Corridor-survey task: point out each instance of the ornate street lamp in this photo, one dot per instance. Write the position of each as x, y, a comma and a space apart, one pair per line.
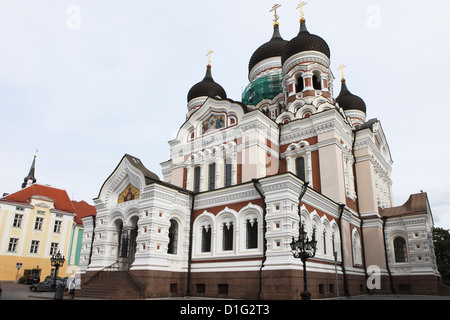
304, 249
57, 261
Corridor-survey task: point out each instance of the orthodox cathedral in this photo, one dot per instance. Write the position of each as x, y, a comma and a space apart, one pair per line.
247, 180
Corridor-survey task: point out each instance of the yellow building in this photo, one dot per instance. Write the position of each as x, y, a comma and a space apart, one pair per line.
35, 223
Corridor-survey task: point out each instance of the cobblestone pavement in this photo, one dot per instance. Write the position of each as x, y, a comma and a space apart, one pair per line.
16, 291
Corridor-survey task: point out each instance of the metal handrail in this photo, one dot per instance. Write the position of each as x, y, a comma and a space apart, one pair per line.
138, 285
97, 275
108, 271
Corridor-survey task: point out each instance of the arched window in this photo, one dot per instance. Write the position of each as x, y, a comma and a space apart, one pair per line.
252, 233
315, 234
334, 244
400, 252
173, 237
206, 238
228, 170
212, 176
300, 168
197, 179
228, 235
299, 84
317, 83
356, 244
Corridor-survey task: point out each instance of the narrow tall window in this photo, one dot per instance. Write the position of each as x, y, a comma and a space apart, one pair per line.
314, 233
124, 244
333, 243
324, 242
300, 168
206, 239
300, 86
173, 237
317, 83
228, 173
197, 179
356, 248
124, 241
212, 176
228, 235
252, 234
400, 252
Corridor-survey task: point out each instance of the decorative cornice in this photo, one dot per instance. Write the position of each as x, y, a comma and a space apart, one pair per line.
303, 57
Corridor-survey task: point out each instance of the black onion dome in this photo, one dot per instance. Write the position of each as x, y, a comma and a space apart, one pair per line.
348, 101
207, 87
305, 41
270, 49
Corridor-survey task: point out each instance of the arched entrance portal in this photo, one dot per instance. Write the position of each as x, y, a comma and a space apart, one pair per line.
126, 242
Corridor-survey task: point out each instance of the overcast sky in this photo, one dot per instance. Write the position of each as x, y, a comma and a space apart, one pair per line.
86, 81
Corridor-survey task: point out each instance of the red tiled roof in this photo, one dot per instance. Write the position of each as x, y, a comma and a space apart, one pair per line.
416, 204
83, 209
59, 196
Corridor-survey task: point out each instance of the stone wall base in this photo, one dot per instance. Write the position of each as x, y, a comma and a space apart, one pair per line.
276, 284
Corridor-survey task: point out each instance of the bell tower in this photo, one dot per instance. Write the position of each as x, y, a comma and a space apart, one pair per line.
306, 66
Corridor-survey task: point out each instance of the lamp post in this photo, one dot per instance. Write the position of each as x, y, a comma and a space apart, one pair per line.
57, 261
303, 249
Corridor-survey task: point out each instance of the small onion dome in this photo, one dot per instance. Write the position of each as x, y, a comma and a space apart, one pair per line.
270, 49
207, 88
304, 41
348, 101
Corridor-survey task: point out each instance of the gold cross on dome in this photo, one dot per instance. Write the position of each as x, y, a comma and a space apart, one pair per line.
274, 8
300, 6
341, 67
209, 56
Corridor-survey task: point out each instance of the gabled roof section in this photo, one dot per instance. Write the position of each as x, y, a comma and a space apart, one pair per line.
61, 199
370, 124
416, 204
148, 177
374, 125
83, 209
137, 163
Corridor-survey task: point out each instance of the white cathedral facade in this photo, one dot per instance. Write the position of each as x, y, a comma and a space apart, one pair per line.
241, 179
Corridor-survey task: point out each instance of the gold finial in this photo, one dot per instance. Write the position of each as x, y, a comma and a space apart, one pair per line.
300, 6
274, 9
341, 67
209, 56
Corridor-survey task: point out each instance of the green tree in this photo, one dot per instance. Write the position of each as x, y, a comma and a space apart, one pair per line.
441, 240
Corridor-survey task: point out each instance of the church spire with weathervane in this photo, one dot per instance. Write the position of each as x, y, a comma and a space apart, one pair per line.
30, 179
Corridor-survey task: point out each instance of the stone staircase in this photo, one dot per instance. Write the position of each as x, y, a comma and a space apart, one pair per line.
112, 285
